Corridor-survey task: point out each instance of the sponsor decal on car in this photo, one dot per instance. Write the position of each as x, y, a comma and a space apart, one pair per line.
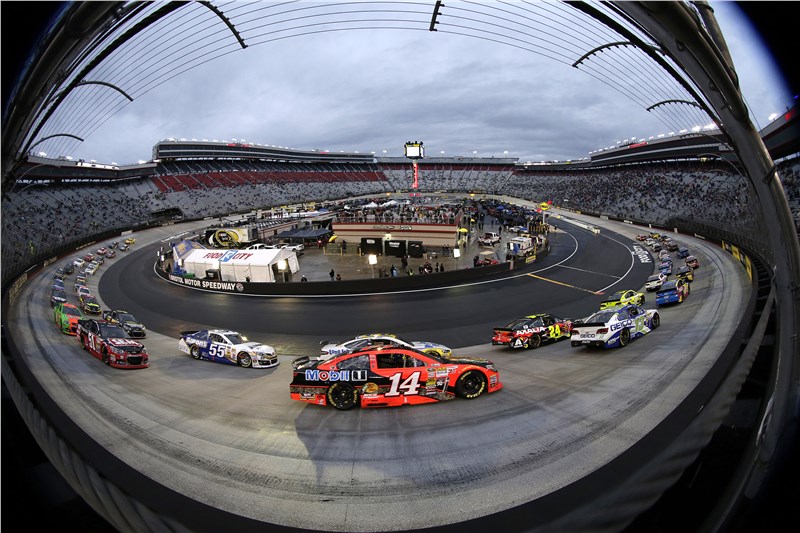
336, 375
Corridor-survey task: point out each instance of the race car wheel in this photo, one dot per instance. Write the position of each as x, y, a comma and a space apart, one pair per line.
471, 384
104, 355
342, 396
624, 337
245, 360
656, 321
195, 352
534, 342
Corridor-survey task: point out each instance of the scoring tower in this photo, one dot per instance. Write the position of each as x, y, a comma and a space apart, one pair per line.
415, 151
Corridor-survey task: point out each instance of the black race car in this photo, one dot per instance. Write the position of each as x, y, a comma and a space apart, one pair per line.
133, 327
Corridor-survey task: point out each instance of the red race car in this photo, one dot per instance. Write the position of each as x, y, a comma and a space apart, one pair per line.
111, 344
532, 330
386, 376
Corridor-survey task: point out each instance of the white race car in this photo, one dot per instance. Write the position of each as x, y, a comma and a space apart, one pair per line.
381, 339
330, 350
655, 281
228, 347
615, 326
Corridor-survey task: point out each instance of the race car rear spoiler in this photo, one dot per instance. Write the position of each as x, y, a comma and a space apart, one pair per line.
590, 324
188, 332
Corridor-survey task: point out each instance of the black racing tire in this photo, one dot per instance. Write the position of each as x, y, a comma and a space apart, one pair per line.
244, 360
471, 384
195, 352
342, 396
534, 342
104, 356
655, 322
642, 300
624, 337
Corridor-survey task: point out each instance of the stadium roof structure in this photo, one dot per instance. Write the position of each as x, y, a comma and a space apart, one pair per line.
174, 150
304, 233
90, 71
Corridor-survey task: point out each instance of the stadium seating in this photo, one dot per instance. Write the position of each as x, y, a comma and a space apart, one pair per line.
43, 219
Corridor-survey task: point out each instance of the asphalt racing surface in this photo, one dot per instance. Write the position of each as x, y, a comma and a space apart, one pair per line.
231, 438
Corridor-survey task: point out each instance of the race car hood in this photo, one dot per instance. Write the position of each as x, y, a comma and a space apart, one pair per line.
328, 347
135, 325
479, 361
256, 347
128, 345
421, 345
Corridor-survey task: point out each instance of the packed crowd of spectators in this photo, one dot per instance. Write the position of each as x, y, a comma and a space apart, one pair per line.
42, 219
709, 193
446, 177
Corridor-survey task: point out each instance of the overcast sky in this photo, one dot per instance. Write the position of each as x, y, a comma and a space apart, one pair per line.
359, 92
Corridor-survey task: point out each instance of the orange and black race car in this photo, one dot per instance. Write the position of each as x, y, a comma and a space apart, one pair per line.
532, 330
389, 376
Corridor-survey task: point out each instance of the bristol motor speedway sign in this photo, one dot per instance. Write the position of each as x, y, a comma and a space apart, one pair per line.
227, 286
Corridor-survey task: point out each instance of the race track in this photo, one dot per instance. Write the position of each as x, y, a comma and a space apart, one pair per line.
230, 438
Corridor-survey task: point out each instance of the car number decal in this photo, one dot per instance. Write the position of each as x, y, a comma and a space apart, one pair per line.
409, 386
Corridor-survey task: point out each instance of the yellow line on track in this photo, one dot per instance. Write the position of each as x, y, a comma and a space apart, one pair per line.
565, 284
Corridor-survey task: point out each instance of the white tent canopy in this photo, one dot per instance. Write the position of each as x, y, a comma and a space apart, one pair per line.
240, 265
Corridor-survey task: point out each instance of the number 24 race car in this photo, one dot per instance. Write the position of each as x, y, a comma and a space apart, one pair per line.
391, 376
532, 330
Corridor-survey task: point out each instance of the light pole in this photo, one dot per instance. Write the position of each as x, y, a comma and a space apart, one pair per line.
282, 268
373, 260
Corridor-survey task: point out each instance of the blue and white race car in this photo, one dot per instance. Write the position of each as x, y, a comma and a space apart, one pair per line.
381, 339
330, 350
229, 347
614, 327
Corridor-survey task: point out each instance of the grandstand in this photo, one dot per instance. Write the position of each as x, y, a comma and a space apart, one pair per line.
57, 211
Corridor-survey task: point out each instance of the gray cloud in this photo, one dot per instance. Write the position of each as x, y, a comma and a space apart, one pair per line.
372, 91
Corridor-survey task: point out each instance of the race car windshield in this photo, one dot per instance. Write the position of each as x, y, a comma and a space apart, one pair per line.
112, 331
357, 344
126, 317
602, 316
654, 278
235, 338
522, 323
72, 312
616, 296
